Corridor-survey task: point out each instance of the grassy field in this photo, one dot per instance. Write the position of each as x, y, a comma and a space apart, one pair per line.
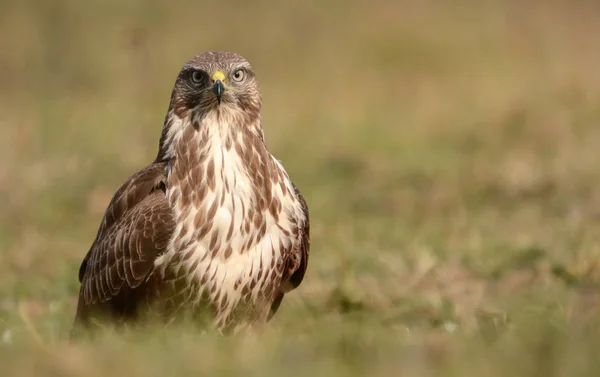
448, 154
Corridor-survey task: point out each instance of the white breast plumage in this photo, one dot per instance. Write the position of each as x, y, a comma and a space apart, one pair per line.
224, 241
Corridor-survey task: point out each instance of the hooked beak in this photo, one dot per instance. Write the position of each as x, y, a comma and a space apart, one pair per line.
218, 87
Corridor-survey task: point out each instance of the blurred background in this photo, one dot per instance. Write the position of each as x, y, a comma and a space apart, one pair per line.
447, 151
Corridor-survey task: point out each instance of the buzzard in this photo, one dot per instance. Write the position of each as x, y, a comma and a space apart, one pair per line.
213, 229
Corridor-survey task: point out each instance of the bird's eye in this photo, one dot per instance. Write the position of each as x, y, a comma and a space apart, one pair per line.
197, 77
239, 75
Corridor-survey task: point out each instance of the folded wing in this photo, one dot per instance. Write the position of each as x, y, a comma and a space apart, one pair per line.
137, 226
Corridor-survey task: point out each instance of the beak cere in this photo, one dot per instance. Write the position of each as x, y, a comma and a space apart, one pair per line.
218, 88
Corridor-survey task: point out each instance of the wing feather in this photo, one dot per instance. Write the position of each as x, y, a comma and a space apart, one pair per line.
297, 261
135, 230
301, 249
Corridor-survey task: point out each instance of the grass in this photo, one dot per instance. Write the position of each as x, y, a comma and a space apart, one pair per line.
448, 153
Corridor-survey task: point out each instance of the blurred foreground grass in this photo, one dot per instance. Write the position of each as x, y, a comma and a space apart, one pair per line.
447, 152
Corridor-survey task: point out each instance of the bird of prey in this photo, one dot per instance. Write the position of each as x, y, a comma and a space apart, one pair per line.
213, 227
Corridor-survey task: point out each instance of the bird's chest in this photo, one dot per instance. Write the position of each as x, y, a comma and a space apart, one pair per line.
229, 243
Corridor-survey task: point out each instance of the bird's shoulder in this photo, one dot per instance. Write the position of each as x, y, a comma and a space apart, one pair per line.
133, 191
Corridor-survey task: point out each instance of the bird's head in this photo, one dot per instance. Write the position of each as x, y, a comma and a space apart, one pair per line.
214, 91
222, 82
